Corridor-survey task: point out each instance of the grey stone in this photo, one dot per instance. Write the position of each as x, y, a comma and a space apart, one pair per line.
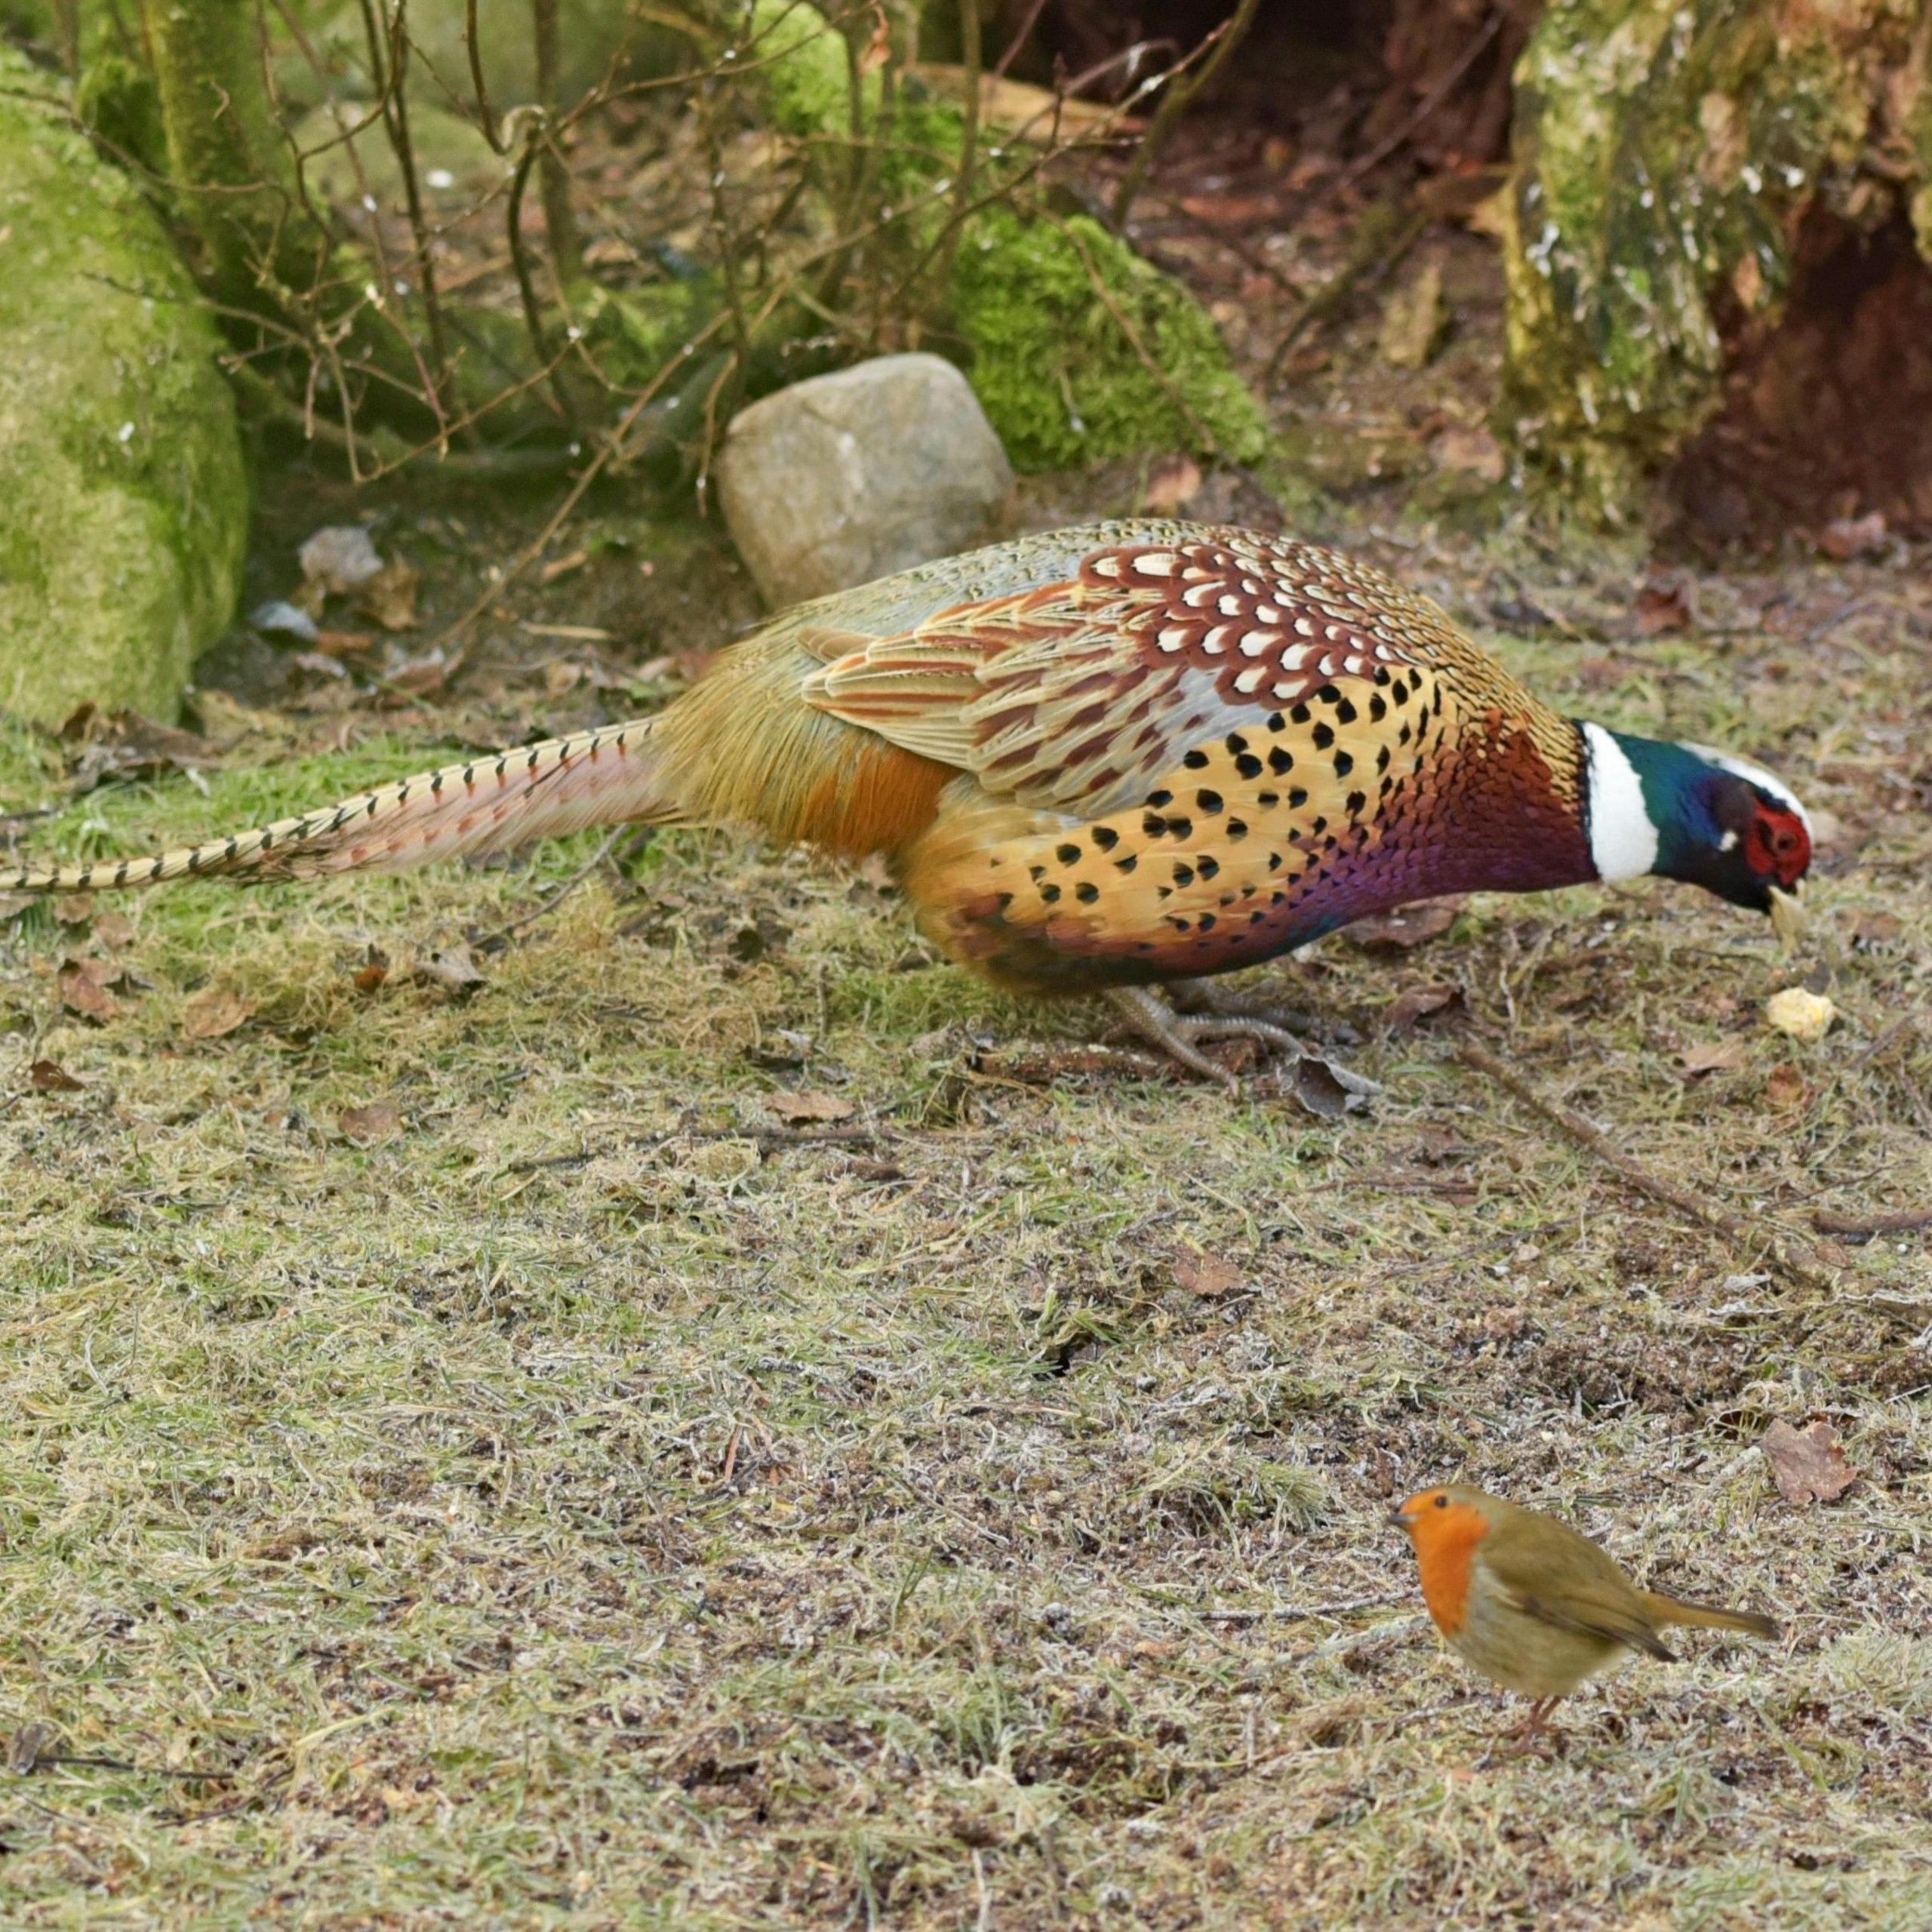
851, 476
124, 501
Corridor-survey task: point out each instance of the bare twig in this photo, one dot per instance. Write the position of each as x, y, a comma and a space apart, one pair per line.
1907, 1220
1374, 252
1801, 1264
1206, 436
1304, 1613
1175, 101
559, 217
970, 56
637, 838
398, 99
1363, 164
532, 133
607, 451
1021, 35
486, 118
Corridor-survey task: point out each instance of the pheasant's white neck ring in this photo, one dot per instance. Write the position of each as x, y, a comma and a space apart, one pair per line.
1623, 838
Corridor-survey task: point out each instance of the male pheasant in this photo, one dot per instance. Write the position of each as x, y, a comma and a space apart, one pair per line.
1119, 757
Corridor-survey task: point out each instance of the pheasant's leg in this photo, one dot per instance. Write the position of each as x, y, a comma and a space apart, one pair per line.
1175, 1034
1211, 996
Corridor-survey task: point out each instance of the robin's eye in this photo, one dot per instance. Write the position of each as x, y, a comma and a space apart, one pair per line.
1442, 1502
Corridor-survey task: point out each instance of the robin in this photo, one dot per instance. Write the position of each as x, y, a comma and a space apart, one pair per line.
1533, 1605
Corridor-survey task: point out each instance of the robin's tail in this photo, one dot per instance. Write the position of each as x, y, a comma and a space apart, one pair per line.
612, 776
1673, 1609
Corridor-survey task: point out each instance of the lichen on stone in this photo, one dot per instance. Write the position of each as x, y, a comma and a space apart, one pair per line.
123, 496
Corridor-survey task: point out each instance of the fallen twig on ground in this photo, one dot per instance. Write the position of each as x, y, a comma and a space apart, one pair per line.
1801, 1265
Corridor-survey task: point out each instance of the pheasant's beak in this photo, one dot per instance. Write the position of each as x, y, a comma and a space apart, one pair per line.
1788, 919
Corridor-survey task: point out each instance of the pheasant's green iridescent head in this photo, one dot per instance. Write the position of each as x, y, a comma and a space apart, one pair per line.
1686, 812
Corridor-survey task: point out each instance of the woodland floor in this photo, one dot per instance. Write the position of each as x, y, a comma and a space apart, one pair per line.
467, 1458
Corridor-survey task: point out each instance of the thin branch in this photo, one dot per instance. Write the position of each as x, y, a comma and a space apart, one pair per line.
560, 218
1179, 95
1020, 39
972, 55
419, 230
1206, 436
1424, 107
1801, 1262
486, 115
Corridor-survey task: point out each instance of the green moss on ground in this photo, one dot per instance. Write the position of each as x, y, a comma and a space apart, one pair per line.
123, 497
1662, 152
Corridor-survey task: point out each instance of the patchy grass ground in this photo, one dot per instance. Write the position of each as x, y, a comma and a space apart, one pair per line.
465, 1459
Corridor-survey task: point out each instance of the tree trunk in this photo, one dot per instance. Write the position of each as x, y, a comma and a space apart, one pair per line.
1668, 155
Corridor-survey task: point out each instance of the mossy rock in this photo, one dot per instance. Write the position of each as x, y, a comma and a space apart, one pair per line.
124, 501
1064, 321
1664, 150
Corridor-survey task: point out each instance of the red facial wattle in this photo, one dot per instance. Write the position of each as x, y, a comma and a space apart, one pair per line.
1777, 846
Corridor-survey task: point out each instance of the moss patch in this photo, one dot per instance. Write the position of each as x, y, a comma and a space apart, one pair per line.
123, 499
1055, 359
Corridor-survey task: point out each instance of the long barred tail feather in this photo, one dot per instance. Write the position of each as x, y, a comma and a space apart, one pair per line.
609, 776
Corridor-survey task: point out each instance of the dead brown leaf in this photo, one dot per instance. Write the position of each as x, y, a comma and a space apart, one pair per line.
1850, 536
1172, 482
378, 1121
1807, 1464
1875, 929
1711, 1056
450, 967
73, 908
1209, 1276
373, 971
1662, 605
1327, 1090
1785, 1089
332, 646
1408, 1010
114, 929
123, 744
1408, 925
389, 598
45, 1077
82, 984
213, 1013
793, 1108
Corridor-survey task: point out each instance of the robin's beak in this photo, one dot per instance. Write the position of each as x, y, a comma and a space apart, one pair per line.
1401, 1519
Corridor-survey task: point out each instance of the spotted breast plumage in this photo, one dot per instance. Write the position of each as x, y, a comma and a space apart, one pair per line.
1121, 757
